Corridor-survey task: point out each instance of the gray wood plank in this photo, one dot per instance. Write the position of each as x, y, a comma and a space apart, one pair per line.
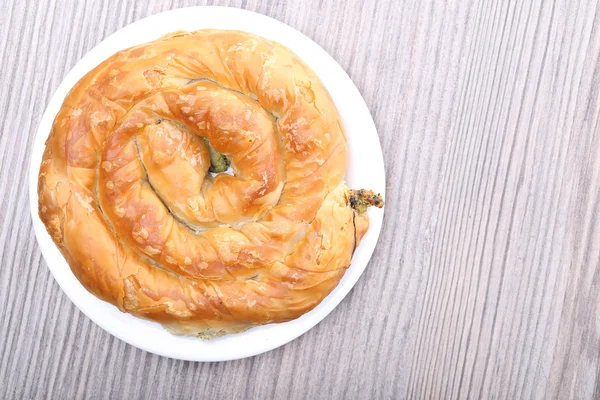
485, 282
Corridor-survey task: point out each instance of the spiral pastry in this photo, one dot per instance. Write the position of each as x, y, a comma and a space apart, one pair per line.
197, 181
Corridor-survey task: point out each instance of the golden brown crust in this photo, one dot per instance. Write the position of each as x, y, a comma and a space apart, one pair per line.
125, 193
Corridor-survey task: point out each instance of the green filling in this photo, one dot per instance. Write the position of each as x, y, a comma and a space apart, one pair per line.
362, 199
218, 161
360, 205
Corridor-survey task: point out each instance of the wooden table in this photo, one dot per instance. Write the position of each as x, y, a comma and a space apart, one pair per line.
486, 280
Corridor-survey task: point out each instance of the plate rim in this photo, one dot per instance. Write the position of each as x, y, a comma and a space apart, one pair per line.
82, 66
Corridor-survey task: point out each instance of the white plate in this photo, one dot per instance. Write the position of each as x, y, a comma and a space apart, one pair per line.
363, 145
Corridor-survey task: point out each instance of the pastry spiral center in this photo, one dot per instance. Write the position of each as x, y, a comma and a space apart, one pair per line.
153, 175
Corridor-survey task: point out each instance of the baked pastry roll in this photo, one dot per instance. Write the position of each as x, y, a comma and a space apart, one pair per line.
197, 181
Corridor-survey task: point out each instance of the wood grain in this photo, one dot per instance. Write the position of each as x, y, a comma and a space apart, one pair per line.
486, 280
